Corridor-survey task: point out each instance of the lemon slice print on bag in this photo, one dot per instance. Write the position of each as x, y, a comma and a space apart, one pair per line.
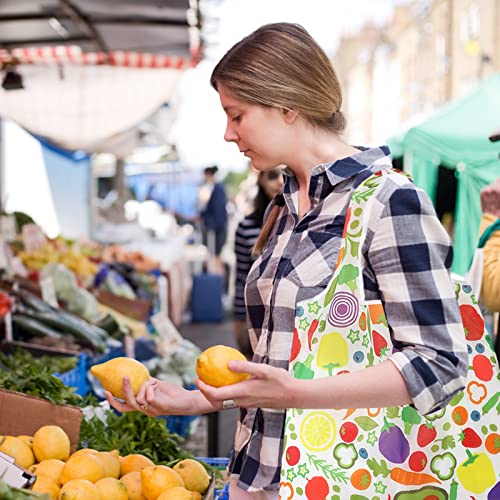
318, 431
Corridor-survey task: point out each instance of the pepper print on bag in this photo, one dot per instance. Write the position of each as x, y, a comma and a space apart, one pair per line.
385, 453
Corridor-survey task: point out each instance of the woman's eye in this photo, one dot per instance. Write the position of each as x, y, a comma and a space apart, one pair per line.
236, 118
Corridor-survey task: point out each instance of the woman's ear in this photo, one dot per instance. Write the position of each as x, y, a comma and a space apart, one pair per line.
290, 115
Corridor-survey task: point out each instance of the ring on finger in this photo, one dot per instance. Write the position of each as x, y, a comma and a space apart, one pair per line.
145, 406
228, 404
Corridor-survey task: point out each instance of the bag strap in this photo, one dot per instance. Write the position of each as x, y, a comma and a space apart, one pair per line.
492, 228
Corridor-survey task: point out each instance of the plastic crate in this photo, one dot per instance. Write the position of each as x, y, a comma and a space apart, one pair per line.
112, 353
179, 424
77, 377
220, 463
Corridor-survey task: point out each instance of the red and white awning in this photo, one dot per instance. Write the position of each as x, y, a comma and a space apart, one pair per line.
73, 54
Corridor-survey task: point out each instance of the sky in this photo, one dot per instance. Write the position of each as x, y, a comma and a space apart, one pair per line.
199, 127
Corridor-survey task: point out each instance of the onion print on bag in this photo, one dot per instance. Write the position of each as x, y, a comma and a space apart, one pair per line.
393, 452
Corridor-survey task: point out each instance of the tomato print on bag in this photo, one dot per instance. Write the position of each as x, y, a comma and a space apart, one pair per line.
395, 452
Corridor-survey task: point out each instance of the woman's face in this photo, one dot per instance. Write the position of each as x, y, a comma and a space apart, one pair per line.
261, 133
271, 182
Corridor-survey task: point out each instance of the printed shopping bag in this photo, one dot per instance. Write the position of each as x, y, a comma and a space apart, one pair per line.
385, 453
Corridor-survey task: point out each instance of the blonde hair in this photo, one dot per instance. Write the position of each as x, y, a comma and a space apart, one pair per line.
280, 65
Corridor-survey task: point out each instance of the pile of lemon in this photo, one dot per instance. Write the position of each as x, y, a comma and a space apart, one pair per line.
96, 475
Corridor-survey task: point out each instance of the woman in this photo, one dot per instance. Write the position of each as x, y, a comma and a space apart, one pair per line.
282, 100
269, 184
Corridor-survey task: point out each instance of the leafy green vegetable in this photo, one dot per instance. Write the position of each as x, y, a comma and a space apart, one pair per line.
130, 433
55, 364
38, 381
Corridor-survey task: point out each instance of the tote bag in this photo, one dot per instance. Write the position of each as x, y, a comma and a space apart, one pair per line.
395, 452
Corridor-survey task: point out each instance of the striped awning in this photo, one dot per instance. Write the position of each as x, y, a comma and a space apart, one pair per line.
73, 54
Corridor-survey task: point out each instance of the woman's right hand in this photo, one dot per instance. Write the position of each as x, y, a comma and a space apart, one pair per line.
156, 397
490, 199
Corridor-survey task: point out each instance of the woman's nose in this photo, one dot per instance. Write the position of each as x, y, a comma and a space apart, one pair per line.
230, 135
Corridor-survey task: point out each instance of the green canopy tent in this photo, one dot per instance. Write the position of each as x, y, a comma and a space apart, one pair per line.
456, 137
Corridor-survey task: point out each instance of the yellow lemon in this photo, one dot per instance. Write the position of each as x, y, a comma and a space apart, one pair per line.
177, 493
155, 480
317, 431
111, 374
50, 468
111, 463
211, 366
27, 439
44, 484
79, 489
83, 466
134, 463
193, 474
50, 441
133, 483
112, 488
84, 450
18, 450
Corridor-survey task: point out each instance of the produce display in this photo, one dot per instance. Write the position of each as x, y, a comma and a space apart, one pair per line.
25, 373
128, 456
91, 474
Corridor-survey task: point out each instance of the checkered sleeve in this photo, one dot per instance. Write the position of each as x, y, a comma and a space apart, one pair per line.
409, 254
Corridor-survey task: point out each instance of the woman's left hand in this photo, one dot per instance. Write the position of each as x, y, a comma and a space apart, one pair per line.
269, 387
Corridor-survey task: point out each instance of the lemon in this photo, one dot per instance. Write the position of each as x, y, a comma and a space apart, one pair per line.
155, 480
84, 466
134, 463
110, 487
211, 366
18, 450
111, 374
50, 441
111, 463
84, 450
44, 484
79, 489
50, 468
27, 439
317, 431
193, 474
177, 493
133, 483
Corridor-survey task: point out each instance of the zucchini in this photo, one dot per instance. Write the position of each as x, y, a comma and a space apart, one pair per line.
33, 327
55, 320
32, 301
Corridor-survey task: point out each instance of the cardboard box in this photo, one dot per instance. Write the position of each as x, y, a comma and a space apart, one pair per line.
138, 309
23, 414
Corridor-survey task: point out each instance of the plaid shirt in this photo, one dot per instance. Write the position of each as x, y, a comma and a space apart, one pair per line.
406, 255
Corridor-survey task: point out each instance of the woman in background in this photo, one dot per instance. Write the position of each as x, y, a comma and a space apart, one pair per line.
269, 185
213, 215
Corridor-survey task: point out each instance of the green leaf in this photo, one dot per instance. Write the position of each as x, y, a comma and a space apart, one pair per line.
331, 291
366, 423
379, 469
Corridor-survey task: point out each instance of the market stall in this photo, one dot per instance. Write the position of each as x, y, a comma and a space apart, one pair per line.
456, 137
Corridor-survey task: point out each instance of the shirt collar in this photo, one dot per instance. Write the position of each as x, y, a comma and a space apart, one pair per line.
345, 168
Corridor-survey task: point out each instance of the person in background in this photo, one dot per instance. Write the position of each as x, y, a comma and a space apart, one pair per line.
490, 287
213, 214
269, 184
